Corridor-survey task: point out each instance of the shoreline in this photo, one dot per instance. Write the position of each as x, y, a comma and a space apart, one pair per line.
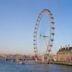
63, 63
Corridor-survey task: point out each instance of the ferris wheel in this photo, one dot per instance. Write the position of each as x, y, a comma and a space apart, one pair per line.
50, 37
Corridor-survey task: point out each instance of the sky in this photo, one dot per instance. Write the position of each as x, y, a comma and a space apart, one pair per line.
18, 18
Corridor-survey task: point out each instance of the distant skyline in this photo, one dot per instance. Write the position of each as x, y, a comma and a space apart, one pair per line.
18, 18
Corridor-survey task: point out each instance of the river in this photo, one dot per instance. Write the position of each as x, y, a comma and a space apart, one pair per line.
13, 67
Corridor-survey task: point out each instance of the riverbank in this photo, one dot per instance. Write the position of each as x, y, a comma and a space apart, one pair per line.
63, 63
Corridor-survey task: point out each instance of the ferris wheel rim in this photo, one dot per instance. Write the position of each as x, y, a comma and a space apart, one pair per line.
37, 27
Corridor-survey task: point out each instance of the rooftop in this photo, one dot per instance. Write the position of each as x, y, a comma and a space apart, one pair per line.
67, 49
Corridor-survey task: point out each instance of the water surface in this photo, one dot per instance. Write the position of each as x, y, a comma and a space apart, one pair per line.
13, 67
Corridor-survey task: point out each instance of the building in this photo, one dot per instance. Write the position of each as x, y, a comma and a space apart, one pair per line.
64, 55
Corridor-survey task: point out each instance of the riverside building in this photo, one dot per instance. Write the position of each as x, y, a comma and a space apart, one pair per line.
64, 54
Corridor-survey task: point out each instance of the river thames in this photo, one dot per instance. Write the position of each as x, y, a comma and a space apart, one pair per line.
13, 67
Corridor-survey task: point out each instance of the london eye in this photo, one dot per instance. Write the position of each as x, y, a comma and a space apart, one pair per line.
49, 38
